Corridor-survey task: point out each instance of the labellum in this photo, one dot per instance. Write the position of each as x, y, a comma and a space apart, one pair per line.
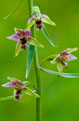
17, 94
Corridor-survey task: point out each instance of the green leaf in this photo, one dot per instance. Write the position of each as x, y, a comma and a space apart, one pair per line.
48, 21
18, 49
49, 58
32, 22
33, 41
30, 55
31, 92
44, 31
6, 98
66, 75
12, 12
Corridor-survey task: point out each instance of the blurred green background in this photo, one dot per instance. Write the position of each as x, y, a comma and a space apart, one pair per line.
60, 96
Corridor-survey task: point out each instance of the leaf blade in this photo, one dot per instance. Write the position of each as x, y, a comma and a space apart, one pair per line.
6, 98
66, 75
30, 55
44, 31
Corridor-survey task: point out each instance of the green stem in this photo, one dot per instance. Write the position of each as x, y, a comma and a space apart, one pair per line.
38, 85
36, 68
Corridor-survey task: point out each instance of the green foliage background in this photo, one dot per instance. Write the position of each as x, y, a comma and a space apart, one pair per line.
60, 96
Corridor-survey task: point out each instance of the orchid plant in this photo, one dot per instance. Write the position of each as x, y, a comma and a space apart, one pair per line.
25, 41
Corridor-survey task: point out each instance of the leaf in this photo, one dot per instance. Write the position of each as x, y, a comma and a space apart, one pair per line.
6, 98
49, 58
44, 31
31, 92
30, 55
18, 49
66, 75
13, 11
48, 21
29, 25
33, 41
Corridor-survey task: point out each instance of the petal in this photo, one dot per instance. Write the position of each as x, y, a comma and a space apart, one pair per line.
53, 61
33, 41
30, 24
47, 20
71, 57
9, 84
21, 84
60, 68
22, 32
44, 16
31, 18
28, 33
17, 49
15, 37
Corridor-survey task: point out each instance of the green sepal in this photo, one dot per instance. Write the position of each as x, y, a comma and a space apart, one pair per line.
33, 41
48, 21
69, 50
36, 10
11, 78
28, 91
30, 24
18, 49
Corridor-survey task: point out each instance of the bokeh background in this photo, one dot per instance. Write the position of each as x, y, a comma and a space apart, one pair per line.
60, 96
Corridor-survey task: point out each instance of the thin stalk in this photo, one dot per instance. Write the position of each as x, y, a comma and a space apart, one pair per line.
38, 81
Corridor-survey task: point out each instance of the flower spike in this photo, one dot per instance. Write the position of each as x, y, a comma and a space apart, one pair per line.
23, 38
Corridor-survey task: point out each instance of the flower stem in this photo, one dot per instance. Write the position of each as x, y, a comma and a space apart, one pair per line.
36, 68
